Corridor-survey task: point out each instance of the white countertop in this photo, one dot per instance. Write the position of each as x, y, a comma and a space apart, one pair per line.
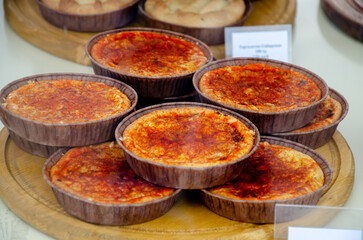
316, 45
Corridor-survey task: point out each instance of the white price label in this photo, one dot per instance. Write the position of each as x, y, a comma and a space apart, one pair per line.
272, 42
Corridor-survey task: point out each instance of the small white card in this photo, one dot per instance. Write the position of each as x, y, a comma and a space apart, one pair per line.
303, 233
271, 41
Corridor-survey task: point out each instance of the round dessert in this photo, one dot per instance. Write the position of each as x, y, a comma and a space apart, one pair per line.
66, 101
152, 54
259, 87
86, 6
274, 172
196, 13
188, 137
328, 113
321, 129
112, 179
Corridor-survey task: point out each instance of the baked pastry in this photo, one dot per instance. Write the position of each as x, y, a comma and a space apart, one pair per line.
196, 13
66, 101
188, 137
273, 172
86, 6
259, 87
328, 112
148, 54
101, 174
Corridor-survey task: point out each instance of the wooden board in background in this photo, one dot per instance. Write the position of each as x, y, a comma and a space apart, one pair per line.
347, 15
26, 193
25, 18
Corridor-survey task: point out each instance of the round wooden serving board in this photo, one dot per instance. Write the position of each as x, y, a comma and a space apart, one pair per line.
25, 18
25, 192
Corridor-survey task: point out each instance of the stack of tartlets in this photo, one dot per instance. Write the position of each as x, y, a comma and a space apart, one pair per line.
157, 63
277, 97
138, 189
112, 165
158, 151
192, 146
48, 111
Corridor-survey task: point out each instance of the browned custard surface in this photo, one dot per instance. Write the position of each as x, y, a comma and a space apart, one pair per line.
148, 54
188, 136
274, 172
328, 113
260, 87
67, 101
100, 173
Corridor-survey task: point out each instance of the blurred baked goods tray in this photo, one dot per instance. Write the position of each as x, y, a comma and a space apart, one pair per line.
26, 20
347, 15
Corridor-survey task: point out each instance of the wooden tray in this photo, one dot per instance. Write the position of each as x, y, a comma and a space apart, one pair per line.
347, 15
25, 18
25, 192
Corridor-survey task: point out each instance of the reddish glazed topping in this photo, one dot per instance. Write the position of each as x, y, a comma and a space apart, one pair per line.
67, 101
260, 87
148, 54
101, 173
188, 136
274, 172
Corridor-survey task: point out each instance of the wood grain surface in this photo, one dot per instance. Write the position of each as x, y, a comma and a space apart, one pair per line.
25, 18
25, 192
347, 15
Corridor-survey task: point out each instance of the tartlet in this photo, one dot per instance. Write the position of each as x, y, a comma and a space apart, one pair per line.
162, 66
196, 13
65, 134
315, 138
254, 199
86, 6
89, 20
175, 145
117, 196
277, 119
211, 35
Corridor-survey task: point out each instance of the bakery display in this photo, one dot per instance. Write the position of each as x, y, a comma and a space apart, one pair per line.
87, 15
85, 110
278, 172
317, 133
162, 65
276, 96
202, 19
196, 13
189, 205
115, 189
86, 6
186, 145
